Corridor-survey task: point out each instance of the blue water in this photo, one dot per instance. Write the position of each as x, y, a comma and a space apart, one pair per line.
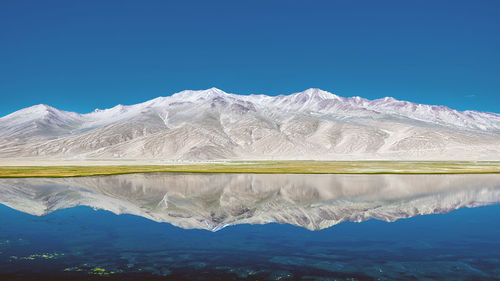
81, 244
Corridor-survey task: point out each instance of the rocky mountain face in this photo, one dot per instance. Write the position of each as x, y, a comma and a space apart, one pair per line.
214, 125
214, 201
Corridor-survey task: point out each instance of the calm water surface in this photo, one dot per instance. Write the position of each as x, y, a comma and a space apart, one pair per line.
247, 226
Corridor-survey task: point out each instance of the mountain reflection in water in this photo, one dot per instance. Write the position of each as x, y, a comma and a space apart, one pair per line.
214, 201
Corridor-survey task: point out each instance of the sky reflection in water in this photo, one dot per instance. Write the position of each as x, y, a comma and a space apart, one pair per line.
80, 243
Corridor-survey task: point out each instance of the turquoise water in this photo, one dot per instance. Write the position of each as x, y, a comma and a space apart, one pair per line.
80, 243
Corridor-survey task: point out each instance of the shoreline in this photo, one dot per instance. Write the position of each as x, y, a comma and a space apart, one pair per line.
77, 169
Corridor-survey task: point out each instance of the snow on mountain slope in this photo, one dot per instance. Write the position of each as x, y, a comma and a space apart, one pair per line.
40, 120
212, 124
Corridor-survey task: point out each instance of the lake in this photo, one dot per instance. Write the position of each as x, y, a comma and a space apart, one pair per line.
158, 226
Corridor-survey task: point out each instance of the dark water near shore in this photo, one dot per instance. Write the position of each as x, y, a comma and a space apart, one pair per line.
446, 228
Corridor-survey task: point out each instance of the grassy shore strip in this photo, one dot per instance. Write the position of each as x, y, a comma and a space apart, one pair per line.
262, 167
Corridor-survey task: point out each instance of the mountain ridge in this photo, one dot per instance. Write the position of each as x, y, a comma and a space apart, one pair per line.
214, 89
213, 124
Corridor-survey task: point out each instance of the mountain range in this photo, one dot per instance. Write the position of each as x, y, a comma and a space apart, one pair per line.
214, 125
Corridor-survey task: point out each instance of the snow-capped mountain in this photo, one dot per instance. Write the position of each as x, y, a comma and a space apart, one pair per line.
212, 124
214, 201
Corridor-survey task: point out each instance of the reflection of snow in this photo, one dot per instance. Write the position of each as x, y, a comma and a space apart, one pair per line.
164, 200
215, 201
215, 228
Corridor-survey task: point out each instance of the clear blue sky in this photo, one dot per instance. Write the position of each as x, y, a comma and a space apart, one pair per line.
82, 55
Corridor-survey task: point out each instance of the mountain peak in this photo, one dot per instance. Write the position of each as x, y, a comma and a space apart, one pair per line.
212, 91
191, 95
41, 107
38, 110
320, 93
